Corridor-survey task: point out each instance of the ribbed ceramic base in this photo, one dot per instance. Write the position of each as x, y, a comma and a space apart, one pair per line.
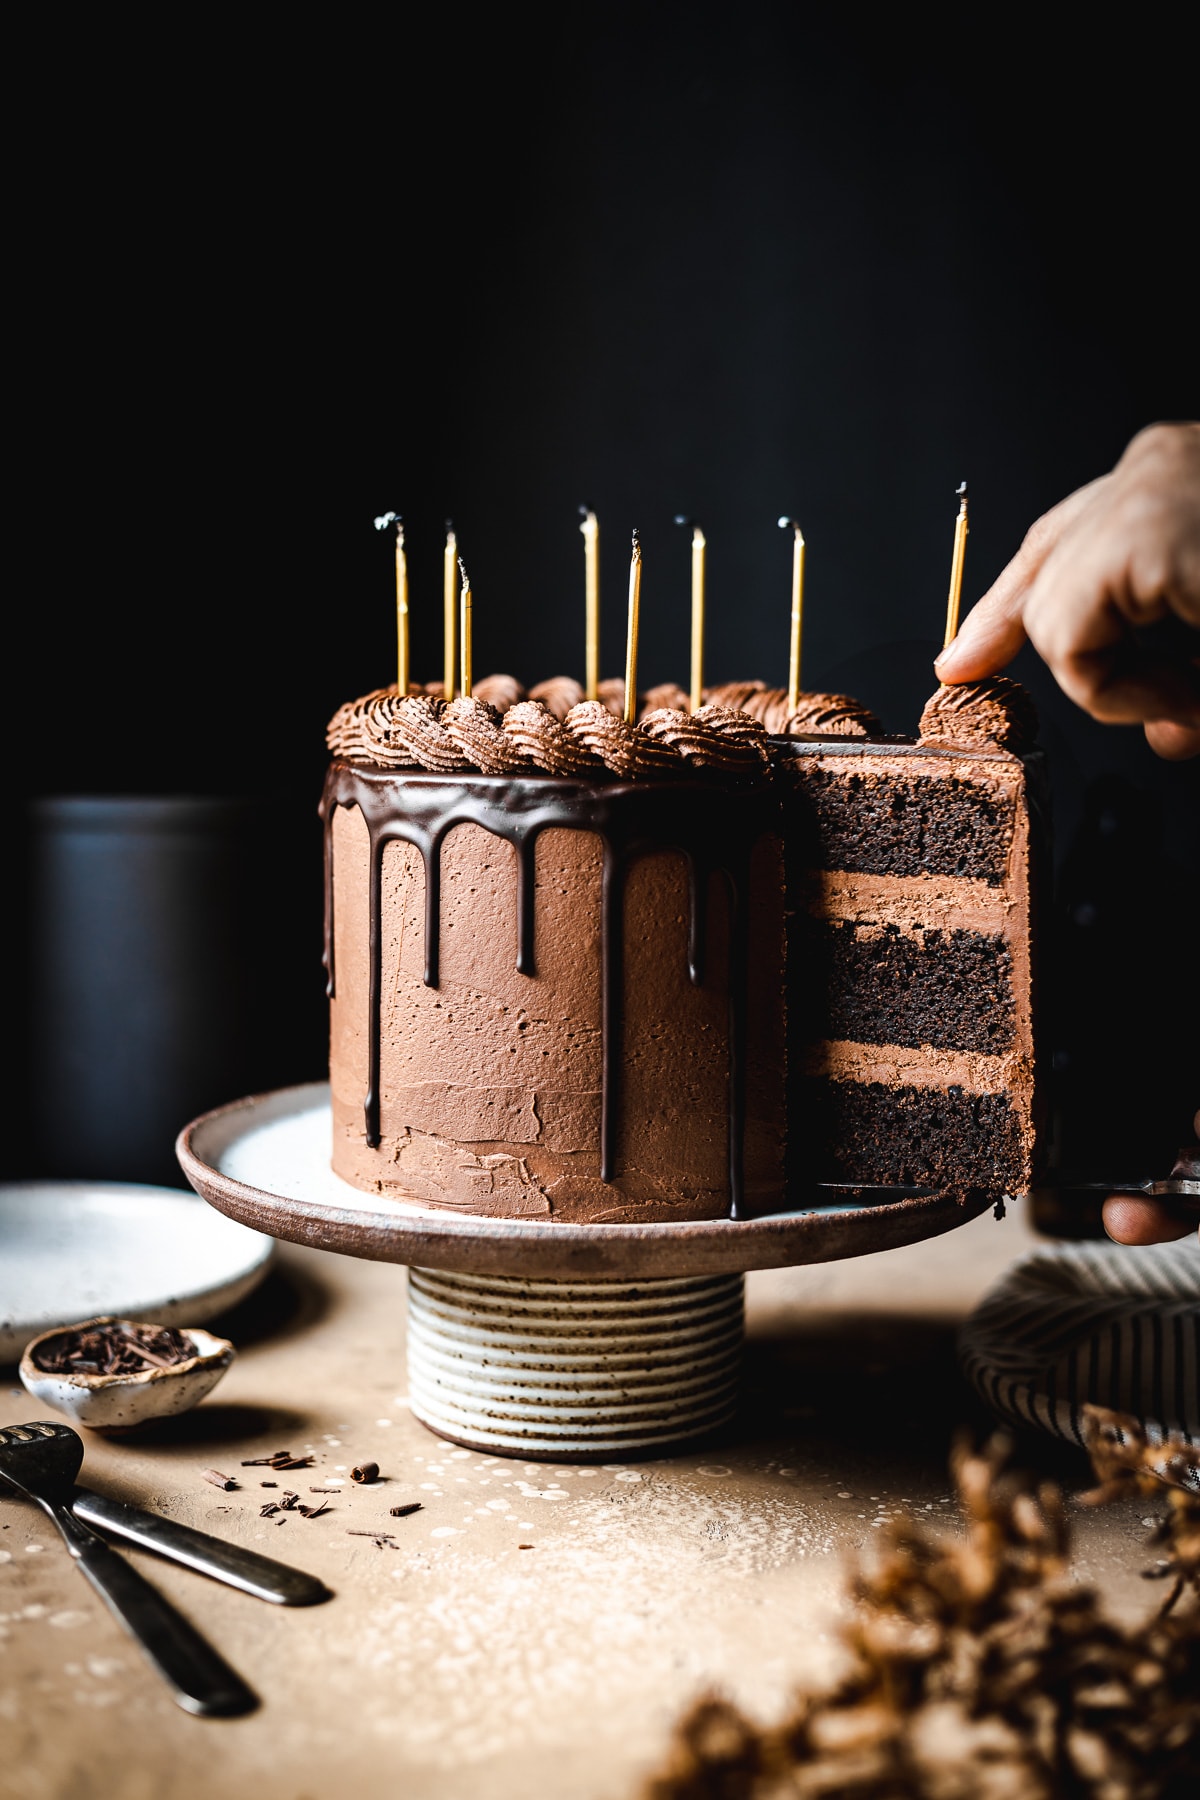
571, 1369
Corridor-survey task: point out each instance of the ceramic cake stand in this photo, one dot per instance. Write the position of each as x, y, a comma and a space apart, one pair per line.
566, 1342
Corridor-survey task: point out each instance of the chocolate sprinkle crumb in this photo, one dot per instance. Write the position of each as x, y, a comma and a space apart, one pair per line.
278, 1459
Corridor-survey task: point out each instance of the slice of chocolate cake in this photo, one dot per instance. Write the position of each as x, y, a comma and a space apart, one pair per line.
910, 871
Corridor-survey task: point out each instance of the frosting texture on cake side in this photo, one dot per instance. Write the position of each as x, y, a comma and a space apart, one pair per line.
555, 997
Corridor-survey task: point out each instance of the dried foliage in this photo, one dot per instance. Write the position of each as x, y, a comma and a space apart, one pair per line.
978, 1669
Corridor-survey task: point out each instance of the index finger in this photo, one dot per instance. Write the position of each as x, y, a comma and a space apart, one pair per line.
994, 629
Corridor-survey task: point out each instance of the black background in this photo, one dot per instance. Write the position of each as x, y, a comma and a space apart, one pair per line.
730, 262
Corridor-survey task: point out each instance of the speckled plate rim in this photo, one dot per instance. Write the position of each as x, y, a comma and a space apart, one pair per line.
385, 1230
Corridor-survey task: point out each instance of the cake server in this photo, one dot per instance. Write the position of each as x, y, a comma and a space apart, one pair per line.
1183, 1183
39, 1461
259, 1575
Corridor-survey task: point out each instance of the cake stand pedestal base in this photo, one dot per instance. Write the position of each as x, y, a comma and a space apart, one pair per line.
529, 1338
570, 1369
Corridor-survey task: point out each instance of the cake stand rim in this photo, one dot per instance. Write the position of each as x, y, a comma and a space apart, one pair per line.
562, 1252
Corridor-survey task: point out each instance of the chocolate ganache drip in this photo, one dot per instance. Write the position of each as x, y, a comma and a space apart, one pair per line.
996, 710
715, 825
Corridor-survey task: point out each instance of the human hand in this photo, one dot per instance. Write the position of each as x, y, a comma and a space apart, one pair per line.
1132, 1219
1117, 556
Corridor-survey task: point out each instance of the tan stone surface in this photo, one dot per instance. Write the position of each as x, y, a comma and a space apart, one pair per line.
459, 1664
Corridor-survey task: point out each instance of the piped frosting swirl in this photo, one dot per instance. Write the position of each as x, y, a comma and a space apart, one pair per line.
714, 737
561, 734
625, 749
475, 729
996, 710
543, 740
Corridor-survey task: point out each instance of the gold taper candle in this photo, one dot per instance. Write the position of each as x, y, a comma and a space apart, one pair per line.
697, 671
449, 597
956, 566
464, 628
381, 524
591, 588
631, 638
793, 699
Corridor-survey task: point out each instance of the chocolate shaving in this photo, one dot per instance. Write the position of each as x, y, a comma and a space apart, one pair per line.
380, 1539
117, 1347
218, 1480
403, 1512
368, 1471
279, 1459
314, 1512
979, 1666
269, 1510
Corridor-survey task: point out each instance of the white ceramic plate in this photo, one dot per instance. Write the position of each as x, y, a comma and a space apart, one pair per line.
72, 1250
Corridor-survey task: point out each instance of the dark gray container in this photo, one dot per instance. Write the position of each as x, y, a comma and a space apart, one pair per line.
140, 977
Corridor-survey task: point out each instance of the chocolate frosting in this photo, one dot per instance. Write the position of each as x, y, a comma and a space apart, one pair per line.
626, 750
667, 696
611, 693
500, 732
706, 740
560, 693
995, 711
417, 735
500, 691
474, 728
542, 739
733, 693
831, 715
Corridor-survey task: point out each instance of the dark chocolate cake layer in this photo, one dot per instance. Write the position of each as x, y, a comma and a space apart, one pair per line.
880, 984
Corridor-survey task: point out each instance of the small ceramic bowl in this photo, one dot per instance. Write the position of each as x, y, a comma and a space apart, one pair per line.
119, 1402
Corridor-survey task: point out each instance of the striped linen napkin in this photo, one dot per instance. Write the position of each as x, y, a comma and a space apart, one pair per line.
1106, 1323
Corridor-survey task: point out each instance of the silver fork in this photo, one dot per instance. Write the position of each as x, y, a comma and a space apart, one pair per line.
40, 1462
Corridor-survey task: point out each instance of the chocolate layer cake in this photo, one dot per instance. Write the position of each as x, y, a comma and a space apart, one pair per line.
555, 952
909, 870
593, 971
